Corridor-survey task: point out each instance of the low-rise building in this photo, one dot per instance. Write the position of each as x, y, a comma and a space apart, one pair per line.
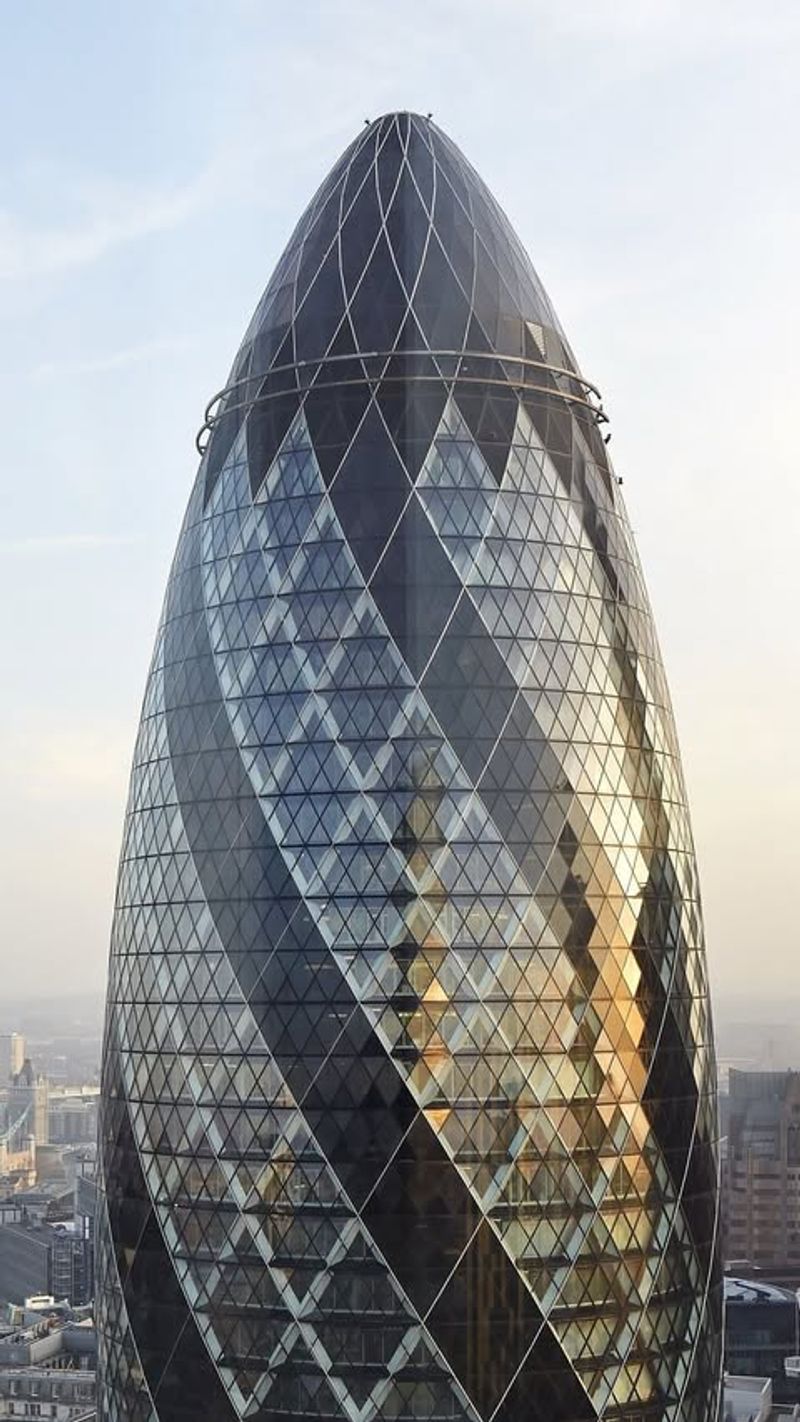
62, 1396
37, 1257
762, 1329
747, 1399
47, 1366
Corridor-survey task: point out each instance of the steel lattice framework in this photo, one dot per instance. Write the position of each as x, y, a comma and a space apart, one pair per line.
409, 1099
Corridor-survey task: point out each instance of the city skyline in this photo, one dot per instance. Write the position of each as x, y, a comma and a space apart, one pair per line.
128, 252
399, 986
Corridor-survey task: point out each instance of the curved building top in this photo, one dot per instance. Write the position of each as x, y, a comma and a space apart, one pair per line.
403, 265
384, 236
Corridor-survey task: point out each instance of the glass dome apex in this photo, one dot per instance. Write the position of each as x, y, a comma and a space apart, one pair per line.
402, 251
403, 172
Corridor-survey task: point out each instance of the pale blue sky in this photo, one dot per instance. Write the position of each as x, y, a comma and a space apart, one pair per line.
156, 157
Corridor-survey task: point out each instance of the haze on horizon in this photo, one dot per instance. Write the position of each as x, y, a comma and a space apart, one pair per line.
645, 151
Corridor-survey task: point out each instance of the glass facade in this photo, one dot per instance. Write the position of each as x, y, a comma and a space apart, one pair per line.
409, 1092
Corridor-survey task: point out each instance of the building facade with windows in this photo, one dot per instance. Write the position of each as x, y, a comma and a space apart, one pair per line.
762, 1172
39, 1257
72, 1115
47, 1368
57, 1394
409, 1092
762, 1330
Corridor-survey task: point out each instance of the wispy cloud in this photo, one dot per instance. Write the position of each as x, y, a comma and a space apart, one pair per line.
110, 215
63, 542
113, 360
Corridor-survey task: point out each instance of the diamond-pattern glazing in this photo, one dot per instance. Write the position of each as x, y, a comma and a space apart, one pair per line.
409, 1085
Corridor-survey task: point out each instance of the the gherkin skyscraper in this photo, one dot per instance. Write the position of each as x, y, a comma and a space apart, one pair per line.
408, 1103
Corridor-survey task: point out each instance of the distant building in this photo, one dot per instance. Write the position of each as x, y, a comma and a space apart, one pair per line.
73, 1114
47, 1368
85, 1216
762, 1330
762, 1173
30, 1204
62, 1395
17, 1161
17, 1146
37, 1257
12, 1055
24, 1125
28, 1103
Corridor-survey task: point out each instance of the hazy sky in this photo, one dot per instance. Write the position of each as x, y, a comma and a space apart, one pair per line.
156, 156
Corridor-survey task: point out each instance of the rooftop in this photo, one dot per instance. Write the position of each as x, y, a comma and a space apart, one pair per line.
754, 1291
